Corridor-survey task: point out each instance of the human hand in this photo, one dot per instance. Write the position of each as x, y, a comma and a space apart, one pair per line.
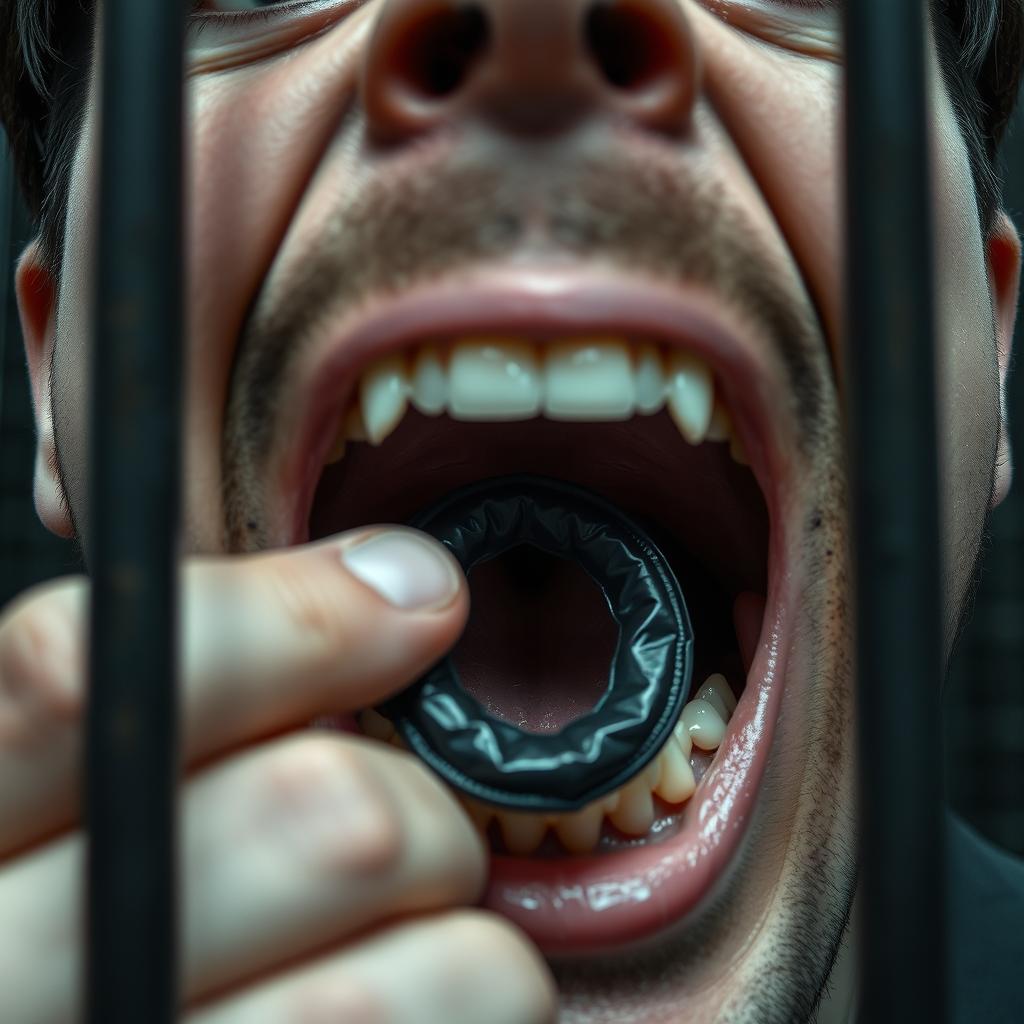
325, 876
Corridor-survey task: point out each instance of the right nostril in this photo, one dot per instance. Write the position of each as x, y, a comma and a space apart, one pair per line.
439, 50
629, 45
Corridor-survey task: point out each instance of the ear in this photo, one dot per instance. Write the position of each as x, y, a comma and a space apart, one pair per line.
37, 304
1004, 259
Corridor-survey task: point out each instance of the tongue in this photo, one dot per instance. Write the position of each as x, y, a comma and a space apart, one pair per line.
539, 642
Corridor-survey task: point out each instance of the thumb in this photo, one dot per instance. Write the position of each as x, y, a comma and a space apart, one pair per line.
274, 639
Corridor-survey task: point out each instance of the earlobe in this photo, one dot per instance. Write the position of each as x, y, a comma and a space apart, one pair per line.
1004, 271
37, 305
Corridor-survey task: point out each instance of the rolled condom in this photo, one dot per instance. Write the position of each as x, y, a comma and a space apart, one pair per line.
651, 670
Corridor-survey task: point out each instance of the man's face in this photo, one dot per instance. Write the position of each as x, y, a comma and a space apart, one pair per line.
348, 204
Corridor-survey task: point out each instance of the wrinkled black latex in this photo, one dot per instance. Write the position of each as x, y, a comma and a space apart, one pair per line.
650, 676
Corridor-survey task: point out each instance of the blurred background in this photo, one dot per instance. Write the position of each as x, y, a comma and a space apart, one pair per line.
984, 701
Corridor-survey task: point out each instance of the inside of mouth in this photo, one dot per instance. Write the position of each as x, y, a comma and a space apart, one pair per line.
539, 643
540, 639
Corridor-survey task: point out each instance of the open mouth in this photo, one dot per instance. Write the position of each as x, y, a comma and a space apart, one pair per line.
659, 412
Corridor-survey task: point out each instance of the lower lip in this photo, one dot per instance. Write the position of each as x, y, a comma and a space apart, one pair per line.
579, 905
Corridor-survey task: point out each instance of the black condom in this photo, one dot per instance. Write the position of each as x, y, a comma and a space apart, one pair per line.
648, 684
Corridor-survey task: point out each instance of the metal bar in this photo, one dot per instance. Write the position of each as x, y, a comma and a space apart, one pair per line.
890, 373
133, 521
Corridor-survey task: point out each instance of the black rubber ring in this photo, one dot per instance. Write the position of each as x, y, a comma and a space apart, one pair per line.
651, 671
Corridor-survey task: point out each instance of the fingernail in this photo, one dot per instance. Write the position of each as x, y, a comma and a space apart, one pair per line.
405, 568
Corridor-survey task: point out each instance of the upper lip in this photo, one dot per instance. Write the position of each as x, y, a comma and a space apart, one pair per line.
541, 303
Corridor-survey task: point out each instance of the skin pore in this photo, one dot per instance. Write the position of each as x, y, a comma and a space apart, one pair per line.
296, 222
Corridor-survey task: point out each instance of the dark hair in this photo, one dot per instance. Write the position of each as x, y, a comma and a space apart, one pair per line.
45, 59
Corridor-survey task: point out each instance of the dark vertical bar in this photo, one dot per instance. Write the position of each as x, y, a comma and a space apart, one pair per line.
890, 368
133, 521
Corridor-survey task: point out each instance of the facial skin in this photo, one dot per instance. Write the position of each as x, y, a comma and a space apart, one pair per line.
283, 180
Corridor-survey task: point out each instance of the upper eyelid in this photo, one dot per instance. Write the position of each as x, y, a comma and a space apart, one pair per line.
775, 6
809, 31
197, 17
199, 22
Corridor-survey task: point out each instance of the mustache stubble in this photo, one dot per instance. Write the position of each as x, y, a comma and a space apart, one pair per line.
406, 224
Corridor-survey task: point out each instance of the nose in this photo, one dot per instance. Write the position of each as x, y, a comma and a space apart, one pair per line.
533, 67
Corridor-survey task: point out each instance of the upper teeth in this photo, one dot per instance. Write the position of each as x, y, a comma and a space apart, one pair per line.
490, 378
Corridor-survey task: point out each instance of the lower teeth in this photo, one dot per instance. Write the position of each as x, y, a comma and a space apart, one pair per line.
631, 809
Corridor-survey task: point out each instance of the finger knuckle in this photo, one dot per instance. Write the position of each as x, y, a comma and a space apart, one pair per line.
39, 685
312, 605
462, 854
324, 801
336, 996
299, 768
481, 945
482, 936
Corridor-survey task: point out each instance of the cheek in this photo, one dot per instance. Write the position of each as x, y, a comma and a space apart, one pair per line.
968, 393
797, 148
258, 135
72, 369
964, 308
782, 111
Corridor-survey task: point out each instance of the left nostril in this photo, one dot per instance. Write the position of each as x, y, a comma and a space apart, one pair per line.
630, 48
441, 49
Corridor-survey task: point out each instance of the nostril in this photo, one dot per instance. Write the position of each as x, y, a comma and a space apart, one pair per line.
440, 48
629, 45
533, 67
